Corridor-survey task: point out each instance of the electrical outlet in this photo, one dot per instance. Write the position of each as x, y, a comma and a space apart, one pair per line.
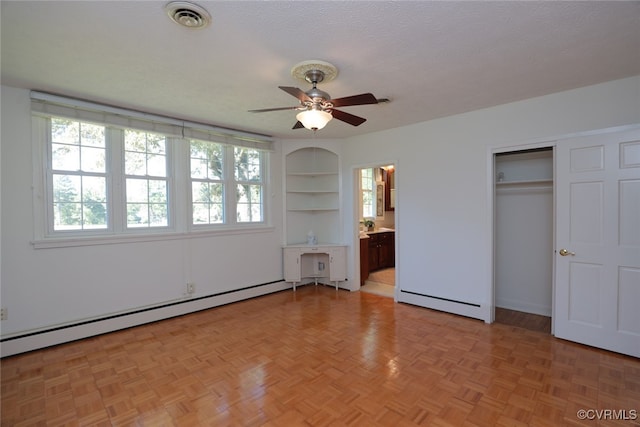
4, 313
191, 288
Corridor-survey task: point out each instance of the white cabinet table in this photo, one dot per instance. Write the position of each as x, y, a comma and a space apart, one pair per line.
308, 263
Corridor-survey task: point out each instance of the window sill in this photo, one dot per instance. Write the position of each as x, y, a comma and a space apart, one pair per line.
67, 242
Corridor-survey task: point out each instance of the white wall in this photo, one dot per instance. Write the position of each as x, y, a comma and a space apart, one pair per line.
44, 288
444, 180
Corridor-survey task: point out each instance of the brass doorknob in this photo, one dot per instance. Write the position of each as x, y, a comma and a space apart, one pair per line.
565, 252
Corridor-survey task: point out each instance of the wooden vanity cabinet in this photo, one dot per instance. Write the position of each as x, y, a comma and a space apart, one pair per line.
381, 250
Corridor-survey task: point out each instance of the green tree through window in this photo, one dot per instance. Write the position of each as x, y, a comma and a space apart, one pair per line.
110, 180
146, 179
249, 184
79, 176
207, 184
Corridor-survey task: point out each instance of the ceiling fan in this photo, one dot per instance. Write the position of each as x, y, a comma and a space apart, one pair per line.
316, 106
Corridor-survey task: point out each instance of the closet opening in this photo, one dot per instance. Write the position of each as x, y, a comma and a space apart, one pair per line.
523, 238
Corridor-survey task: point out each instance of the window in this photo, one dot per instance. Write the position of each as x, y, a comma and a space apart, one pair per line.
81, 173
107, 180
109, 174
248, 179
211, 181
145, 163
367, 187
78, 176
207, 185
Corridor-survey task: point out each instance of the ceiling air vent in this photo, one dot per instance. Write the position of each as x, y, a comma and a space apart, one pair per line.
188, 14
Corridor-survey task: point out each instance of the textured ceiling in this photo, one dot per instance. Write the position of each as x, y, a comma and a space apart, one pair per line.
432, 59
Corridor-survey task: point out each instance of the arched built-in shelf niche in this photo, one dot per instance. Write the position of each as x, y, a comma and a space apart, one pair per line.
312, 195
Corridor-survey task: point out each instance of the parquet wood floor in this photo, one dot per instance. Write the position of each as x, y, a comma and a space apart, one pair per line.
534, 322
319, 357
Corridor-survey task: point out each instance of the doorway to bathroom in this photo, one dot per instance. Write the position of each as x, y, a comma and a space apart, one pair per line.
377, 229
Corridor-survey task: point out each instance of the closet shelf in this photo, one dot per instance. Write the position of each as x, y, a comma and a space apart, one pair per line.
526, 182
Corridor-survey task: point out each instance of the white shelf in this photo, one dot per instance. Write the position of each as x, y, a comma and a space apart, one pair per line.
524, 187
312, 194
306, 183
526, 182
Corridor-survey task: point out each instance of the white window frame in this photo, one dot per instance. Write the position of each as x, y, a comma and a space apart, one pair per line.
116, 188
371, 190
221, 181
50, 172
230, 183
168, 178
235, 182
179, 213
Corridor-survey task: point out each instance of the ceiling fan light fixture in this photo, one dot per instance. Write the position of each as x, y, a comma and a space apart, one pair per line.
316, 106
314, 119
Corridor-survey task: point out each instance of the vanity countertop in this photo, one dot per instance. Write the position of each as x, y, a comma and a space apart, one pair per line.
365, 234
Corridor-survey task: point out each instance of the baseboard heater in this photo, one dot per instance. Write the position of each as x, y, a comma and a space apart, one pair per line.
110, 323
441, 298
448, 305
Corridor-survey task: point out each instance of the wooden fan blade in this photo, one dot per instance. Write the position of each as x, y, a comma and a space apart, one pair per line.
298, 125
298, 93
348, 118
362, 99
264, 110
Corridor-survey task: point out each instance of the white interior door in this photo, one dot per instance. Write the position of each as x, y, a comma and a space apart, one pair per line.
597, 283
